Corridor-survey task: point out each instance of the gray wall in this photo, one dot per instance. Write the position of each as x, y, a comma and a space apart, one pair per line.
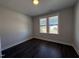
0, 48
76, 40
15, 28
65, 35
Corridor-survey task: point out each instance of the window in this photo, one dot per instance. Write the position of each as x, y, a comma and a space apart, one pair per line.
43, 25
49, 25
53, 25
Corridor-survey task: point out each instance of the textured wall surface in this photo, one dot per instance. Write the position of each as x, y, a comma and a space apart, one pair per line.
76, 40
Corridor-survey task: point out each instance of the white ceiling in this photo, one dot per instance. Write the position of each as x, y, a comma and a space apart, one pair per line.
26, 6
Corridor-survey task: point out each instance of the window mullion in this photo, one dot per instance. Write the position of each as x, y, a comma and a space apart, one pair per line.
47, 25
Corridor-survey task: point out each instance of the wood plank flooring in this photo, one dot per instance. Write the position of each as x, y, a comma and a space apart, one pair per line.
36, 48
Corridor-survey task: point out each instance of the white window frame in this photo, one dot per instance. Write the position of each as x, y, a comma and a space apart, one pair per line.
47, 27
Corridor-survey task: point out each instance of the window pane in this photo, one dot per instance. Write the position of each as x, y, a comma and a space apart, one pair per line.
53, 25
53, 20
43, 29
43, 21
53, 29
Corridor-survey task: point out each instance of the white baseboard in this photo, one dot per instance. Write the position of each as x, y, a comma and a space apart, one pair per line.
76, 49
54, 41
16, 43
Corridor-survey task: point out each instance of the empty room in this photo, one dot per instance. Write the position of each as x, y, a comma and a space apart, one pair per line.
39, 28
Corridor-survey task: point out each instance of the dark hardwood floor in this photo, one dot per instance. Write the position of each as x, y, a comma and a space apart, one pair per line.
36, 48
